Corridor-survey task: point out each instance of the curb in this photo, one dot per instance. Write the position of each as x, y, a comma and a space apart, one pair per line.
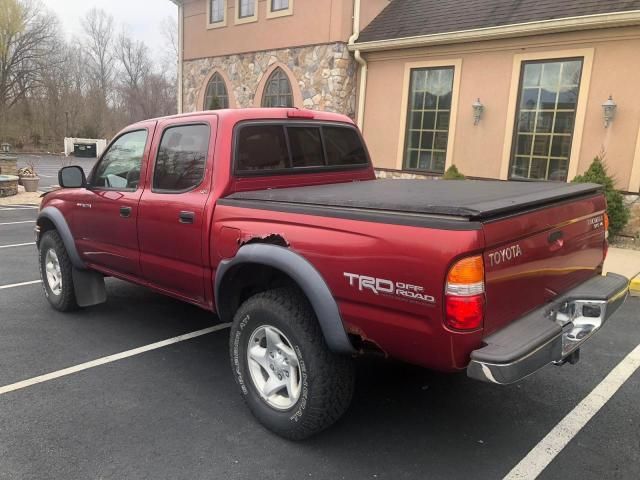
634, 286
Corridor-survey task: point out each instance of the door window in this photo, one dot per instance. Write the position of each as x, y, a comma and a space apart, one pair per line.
119, 168
181, 159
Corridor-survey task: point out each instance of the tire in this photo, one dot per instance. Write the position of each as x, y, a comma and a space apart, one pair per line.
52, 253
325, 379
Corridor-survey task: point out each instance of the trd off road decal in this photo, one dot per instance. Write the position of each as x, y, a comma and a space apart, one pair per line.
382, 286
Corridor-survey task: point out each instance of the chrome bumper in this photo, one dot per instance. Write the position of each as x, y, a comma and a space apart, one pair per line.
552, 334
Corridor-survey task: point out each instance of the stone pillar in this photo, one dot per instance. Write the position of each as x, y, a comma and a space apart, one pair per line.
8, 185
8, 165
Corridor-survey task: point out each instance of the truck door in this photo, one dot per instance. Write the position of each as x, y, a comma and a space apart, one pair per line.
171, 225
105, 214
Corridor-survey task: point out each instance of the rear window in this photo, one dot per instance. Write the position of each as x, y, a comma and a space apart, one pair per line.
272, 147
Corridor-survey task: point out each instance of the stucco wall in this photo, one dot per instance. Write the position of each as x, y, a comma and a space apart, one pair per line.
322, 77
312, 22
487, 71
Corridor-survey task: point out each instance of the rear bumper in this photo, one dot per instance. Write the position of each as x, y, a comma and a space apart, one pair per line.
550, 334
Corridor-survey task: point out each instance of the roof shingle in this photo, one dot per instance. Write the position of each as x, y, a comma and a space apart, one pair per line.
409, 18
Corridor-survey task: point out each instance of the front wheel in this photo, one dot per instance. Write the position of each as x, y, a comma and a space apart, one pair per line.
291, 381
56, 272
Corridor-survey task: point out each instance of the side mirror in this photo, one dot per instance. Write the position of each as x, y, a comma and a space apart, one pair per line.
72, 177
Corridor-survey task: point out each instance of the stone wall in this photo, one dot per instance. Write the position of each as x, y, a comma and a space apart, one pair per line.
325, 73
633, 226
8, 165
395, 174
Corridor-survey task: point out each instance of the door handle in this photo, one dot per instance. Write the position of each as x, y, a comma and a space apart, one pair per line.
186, 217
125, 212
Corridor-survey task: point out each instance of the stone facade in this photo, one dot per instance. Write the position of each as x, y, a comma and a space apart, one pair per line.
8, 165
8, 185
325, 76
633, 226
401, 174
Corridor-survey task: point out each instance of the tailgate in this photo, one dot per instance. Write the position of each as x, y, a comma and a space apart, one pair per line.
533, 257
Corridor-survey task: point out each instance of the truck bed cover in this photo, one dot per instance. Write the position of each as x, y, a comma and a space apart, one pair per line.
470, 199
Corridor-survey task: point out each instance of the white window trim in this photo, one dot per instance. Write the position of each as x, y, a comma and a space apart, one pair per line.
220, 24
456, 63
279, 13
253, 18
581, 108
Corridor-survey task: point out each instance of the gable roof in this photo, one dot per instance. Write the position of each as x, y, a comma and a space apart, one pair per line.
418, 18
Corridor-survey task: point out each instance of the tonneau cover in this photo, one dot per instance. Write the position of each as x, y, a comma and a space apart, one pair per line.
472, 199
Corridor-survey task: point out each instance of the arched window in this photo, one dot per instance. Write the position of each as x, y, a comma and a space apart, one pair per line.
216, 96
277, 91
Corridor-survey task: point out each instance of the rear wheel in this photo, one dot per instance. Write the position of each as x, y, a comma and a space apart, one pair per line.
291, 381
56, 272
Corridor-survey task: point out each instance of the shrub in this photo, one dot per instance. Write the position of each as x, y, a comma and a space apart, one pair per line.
616, 209
453, 173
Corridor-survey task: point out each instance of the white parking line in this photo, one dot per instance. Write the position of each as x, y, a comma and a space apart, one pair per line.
8, 208
550, 446
17, 245
16, 223
111, 358
23, 284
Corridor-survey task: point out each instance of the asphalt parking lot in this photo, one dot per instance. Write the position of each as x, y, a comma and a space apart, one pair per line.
173, 412
47, 167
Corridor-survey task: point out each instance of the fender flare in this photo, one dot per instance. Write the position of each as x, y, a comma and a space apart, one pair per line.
306, 277
56, 217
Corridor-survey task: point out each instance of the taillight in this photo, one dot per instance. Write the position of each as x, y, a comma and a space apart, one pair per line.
464, 294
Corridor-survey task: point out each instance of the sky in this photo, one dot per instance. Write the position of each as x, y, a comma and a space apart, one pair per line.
143, 17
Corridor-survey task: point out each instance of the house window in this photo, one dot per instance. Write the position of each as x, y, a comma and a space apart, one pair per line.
428, 115
279, 8
277, 91
545, 119
247, 8
216, 96
217, 11
277, 5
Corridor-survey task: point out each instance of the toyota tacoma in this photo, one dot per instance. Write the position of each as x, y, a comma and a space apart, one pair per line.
274, 220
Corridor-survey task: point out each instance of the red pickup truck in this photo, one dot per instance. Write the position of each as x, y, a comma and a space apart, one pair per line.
273, 219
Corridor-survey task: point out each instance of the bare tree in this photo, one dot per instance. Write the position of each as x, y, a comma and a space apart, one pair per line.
90, 86
98, 30
28, 37
134, 60
135, 64
169, 30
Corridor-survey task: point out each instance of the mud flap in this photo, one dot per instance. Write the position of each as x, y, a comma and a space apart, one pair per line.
89, 287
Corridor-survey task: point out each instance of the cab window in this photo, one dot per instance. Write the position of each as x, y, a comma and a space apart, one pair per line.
119, 168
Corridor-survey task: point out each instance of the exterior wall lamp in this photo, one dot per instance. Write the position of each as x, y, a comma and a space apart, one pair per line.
478, 109
609, 111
